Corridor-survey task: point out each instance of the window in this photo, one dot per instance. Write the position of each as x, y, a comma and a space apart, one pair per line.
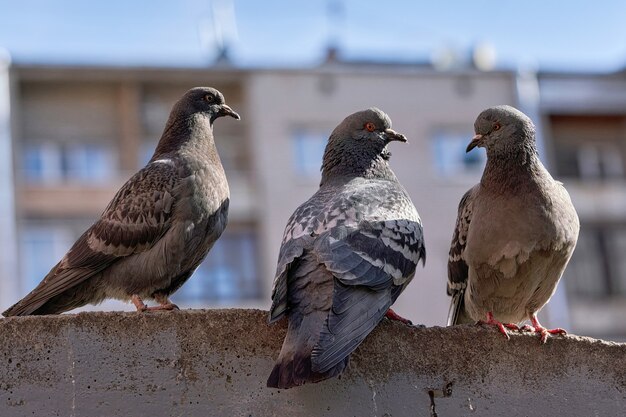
88, 163
51, 163
589, 161
40, 249
228, 274
450, 156
598, 268
308, 147
42, 163
590, 148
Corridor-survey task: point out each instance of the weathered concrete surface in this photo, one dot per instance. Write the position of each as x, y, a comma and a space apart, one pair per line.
215, 363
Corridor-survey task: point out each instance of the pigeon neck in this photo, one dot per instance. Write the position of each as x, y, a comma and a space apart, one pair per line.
343, 165
191, 132
512, 171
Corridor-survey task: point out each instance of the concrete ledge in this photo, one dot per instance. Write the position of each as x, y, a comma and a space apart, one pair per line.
215, 363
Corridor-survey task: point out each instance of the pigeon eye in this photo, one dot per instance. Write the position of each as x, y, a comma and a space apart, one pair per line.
370, 127
496, 126
210, 98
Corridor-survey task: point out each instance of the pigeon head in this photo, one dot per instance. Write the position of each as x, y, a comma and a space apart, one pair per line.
367, 128
503, 130
358, 146
203, 100
191, 119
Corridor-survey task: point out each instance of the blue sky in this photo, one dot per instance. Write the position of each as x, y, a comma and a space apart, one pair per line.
563, 35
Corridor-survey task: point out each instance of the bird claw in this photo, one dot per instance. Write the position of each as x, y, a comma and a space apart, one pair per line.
165, 304
139, 304
542, 331
166, 307
501, 326
392, 315
527, 328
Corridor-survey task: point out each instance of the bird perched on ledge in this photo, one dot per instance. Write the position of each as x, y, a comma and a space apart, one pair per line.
157, 229
347, 253
515, 232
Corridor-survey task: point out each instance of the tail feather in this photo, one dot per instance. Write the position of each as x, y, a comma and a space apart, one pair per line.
309, 298
457, 313
293, 367
296, 371
17, 309
26, 307
71, 298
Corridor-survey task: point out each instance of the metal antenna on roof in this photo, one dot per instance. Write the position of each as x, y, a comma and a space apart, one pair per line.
219, 32
335, 17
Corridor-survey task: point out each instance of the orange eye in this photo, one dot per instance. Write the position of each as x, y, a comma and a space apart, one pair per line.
496, 126
370, 127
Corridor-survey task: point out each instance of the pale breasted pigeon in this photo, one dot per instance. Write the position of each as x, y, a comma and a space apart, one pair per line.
515, 232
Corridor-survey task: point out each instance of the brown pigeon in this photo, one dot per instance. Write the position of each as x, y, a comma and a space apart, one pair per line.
157, 229
347, 253
515, 232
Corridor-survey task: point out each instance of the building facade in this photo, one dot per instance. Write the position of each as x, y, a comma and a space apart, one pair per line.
584, 118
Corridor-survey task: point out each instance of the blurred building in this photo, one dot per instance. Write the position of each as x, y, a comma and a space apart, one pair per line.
79, 133
584, 122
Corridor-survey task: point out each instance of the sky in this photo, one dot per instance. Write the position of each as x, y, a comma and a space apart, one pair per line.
569, 35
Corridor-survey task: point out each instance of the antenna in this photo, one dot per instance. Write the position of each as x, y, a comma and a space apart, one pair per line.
219, 32
335, 15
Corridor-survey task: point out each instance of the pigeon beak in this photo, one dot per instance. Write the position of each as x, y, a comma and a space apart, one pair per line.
227, 111
392, 135
476, 141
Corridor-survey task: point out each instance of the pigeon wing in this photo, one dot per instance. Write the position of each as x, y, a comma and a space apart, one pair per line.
372, 264
457, 268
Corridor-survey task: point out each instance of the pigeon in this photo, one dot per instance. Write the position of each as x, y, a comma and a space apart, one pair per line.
157, 229
346, 255
515, 231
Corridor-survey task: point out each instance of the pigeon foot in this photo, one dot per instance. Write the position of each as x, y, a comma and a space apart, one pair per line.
392, 315
501, 326
138, 302
164, 304
542, 331
164, 307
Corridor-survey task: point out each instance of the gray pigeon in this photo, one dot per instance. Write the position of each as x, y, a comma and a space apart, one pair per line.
157, 229
346, 255
515, 232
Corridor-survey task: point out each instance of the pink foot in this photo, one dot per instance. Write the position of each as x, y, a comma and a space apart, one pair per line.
138, 302
501, 326
165, 304
392, 315
542, 331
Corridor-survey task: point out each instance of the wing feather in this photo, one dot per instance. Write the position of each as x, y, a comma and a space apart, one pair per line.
457, 268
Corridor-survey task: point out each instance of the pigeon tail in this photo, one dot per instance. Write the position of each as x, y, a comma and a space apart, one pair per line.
74, 297
19, 309
296, 371
14, 310
294, 367
457, 313
41, 308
